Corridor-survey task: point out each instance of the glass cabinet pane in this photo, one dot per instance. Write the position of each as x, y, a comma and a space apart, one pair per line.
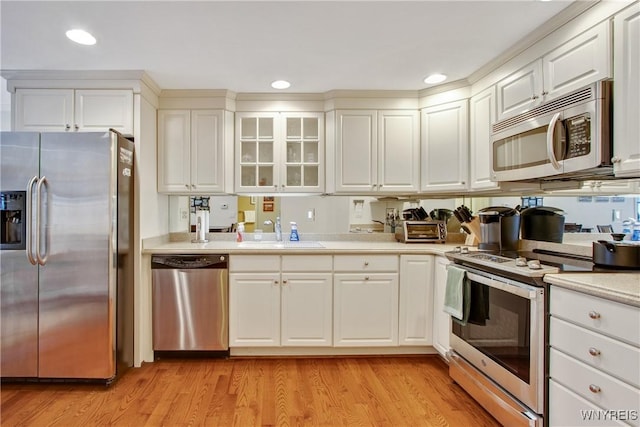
294, 128
249, 128
265, 130
310, 128
248, 176
248, 154
294, 154
294, 176
311, 152
265, 151
311, 176
266, 176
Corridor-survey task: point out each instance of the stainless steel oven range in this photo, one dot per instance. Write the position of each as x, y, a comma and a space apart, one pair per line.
498, 354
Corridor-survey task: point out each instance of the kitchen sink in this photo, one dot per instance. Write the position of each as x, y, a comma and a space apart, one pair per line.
269, 244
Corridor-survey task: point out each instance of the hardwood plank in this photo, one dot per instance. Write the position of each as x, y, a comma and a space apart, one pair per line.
358, 391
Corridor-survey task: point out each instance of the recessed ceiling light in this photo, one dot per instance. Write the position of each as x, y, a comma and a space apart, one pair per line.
81, 37
435, 78
280, 84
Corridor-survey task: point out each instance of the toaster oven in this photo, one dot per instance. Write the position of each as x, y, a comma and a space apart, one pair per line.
428, 231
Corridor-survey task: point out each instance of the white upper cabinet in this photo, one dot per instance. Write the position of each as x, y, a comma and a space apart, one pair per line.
69, 110
279, 152
482, 116
377, 151
445, 142
582, 60
626, 96
191, 151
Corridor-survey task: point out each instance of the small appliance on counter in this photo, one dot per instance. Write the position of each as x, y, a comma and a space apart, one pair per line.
542, 223
428, 231
622, 254
499, 228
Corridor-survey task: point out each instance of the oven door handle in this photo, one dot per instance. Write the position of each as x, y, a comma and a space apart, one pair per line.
512, 287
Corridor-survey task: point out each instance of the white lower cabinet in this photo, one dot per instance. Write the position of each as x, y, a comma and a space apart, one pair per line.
441, 320
416, 300
365, 304
272, 306
594, 361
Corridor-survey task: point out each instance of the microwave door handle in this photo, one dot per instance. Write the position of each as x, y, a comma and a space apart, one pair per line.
550, 134
29, 220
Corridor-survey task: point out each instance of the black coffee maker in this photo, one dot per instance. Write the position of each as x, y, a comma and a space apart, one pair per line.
499, 229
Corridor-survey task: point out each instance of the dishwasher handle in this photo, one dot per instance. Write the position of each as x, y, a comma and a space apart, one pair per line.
189, 261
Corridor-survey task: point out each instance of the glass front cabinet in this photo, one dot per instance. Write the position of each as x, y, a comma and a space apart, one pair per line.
279, 152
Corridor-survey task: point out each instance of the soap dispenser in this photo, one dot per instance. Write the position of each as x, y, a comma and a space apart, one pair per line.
294, 232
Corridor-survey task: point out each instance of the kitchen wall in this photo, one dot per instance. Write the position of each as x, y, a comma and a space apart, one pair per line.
5, 106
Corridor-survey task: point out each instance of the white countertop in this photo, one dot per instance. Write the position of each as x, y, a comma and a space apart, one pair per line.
620, 287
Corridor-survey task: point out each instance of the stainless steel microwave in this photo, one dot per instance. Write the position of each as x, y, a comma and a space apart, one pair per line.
570, 136
428, 231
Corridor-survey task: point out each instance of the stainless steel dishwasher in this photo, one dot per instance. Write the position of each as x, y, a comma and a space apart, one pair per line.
190, 302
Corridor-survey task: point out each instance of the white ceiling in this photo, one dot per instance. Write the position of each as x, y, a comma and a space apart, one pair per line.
243, 46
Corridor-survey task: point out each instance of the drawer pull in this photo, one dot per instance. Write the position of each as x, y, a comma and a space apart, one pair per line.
594, 388
366, 277
594, 351
594, 315
366, 263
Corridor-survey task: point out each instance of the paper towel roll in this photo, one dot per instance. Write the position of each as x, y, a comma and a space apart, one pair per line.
202, 225
249, 216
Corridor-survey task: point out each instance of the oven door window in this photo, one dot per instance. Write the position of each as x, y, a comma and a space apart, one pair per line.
502, 331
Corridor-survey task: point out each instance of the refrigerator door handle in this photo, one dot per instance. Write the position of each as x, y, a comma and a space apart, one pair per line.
42, 260
29, 220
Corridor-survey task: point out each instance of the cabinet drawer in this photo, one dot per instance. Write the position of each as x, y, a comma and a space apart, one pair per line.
254, 263
568, 409
597, 387
614, 357
307, 263
608, 317
365, 263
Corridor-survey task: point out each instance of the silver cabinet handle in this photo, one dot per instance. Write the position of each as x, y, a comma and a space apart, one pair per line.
594, 388
366, 263
29, 219
594, 315
594, 351
67, 127
42, 260
76, 127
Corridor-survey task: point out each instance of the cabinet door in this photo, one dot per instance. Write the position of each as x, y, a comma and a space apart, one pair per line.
101, 110
254, 309
44, 110
174, 151
356, 150
482, 116
207, 151
303, 152
441, 320
626, 96
398, 151
445, 141
307, 309
416, 300
582, 60
520, 91
256, 152
365, 310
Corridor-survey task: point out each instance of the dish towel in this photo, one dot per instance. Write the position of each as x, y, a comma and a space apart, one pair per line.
457, 293
250, 217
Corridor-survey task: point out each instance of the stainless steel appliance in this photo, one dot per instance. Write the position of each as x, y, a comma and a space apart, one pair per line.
190, 295
429, 231
499, 228
568, 137
13, 229
67, 295
502, 359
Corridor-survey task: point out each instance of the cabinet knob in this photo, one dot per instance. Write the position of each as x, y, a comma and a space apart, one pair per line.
186, 185
594, 388
366, 277
284, 282
594, 315
276, 282
594, 351
616, 159
545, 93
76, 127
534, 97
366, 263
67, 127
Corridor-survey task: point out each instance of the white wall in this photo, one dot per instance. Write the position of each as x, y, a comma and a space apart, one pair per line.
331, 214
5, 106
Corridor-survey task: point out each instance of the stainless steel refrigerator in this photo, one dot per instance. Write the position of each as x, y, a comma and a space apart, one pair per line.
66, 259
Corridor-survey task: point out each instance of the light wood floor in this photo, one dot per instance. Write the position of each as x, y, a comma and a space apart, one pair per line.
376, 391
